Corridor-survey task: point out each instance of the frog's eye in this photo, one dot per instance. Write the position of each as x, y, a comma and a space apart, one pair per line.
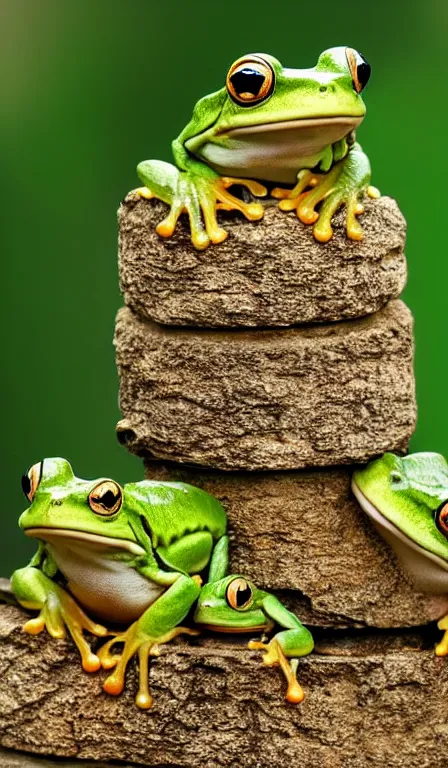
359, 69
250, 80
239, 594
106, 498
31, 480
441, 518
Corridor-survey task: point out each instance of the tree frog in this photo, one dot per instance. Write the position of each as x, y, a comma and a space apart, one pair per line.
234, 604
125, 555
407, 500
269, 123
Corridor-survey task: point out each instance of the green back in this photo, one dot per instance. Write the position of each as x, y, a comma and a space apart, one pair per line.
175, 509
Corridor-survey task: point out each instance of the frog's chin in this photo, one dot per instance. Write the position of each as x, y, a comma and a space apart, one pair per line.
428, 571
272, 151
89, 540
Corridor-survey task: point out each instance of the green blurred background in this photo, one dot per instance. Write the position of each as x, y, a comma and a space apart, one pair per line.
90, 88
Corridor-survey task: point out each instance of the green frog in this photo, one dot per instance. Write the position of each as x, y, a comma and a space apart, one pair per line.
407, 500
234, 604
127, 556
269, 123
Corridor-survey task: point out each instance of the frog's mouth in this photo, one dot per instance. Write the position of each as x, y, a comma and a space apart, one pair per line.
230, 630
344, 123
90, 540
429, 572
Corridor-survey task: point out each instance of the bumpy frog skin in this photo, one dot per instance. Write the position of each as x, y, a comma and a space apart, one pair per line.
407, 500
128, 556
234, 604
276, 125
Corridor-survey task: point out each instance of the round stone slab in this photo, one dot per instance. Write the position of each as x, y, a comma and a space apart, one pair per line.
371, 701
278, 399
269, 273
304, 536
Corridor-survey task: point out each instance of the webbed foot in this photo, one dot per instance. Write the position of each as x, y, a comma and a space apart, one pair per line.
135, 641
198, 196
275, 657
344, 184
60, 612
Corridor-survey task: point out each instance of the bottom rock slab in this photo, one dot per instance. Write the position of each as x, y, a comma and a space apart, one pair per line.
371, 700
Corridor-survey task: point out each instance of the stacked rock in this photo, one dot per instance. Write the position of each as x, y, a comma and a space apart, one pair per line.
262, 370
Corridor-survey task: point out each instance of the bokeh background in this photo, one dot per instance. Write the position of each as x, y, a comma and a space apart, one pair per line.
90, 88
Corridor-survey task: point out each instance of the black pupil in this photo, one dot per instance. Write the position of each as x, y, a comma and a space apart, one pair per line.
108, 499
363, 73
26, 484
242, 596
247, 81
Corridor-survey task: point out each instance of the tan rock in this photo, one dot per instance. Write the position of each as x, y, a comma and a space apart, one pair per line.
303, 535
267, 273
12, 759
278, 399
372, 702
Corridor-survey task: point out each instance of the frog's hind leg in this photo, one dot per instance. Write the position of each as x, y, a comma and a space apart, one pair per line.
441, 648
275, 657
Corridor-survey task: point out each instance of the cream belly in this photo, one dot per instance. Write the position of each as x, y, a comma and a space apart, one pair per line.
274, 152
105, 586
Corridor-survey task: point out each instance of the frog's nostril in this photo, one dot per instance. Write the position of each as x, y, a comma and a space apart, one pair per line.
323, 88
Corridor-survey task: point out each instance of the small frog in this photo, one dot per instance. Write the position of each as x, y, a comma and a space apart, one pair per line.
407, 500
126, 555
269, 123
233, 604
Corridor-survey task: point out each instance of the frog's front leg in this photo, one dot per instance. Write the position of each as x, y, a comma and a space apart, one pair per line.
58, 611
199, 192
158, 624
293, 642
345, 183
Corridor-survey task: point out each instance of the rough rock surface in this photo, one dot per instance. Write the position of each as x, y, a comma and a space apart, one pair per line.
267, 273
304, 535
278, 399
14, 759
370, 701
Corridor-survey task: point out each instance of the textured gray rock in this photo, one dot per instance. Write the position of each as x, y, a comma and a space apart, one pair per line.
278, 399
304, 535
268, 273
370, 701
